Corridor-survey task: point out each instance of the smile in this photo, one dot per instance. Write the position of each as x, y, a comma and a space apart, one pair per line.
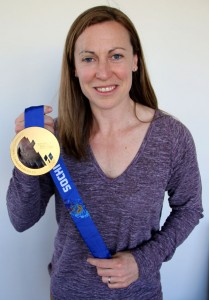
106, 89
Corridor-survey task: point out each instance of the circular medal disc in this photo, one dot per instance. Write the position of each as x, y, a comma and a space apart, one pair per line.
35, 151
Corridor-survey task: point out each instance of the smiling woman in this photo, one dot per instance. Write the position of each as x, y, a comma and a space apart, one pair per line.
78, 56
104, 64
124, 154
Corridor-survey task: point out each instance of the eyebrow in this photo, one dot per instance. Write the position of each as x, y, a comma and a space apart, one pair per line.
111, 50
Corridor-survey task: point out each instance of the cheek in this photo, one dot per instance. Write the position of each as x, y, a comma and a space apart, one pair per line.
126, 76
124, 72
85, 77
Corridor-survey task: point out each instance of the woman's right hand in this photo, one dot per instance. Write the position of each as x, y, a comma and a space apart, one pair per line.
26, 152
48, 121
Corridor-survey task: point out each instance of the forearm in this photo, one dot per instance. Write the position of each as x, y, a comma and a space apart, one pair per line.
27, 198
162, 245
185, 199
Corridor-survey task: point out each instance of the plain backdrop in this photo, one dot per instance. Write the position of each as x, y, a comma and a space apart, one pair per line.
175, 39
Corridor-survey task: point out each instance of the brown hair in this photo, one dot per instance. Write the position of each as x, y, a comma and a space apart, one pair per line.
75, 116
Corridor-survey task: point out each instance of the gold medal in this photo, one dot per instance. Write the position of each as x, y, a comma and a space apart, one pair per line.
35, 151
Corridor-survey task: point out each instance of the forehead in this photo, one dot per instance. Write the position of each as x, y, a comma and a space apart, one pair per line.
104, 34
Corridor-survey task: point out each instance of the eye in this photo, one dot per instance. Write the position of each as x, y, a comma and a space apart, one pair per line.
117, 56
87, 59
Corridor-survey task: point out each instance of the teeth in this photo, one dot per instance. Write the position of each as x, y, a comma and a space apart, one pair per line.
105, 89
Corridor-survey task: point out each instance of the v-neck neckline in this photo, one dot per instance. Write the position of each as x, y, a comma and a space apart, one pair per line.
136, 157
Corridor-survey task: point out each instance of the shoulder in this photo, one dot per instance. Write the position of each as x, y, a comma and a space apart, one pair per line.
173, 126
176, 133
165, 122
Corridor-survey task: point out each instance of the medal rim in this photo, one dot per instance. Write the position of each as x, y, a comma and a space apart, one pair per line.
24, 133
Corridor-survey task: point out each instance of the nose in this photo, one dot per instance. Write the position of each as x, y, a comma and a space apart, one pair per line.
103, 71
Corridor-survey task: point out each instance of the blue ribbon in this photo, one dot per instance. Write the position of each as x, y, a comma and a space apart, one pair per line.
34, 116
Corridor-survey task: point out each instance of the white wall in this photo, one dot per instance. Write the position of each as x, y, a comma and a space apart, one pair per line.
175, 38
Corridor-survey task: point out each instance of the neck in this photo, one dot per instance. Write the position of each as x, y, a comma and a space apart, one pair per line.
108, 122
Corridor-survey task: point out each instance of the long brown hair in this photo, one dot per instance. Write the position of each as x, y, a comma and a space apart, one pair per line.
75, 116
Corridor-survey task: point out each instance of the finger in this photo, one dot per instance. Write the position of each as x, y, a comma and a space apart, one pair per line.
50, 128
19, 124
48, 120
19, 119
104, 272
110, 279
115, 282
47, 109
101, 263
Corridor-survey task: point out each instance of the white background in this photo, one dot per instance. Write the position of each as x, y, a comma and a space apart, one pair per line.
175, 39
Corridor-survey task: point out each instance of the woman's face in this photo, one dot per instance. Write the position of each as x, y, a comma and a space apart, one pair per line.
104, 62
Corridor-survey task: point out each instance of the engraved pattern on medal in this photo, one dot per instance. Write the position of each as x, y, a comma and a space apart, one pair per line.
35, 151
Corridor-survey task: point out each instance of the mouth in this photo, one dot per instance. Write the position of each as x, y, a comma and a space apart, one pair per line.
106, 89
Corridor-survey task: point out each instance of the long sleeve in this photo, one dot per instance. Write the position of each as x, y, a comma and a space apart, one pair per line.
27, 198
184, 191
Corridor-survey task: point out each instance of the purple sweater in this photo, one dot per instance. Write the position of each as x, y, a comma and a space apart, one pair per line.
126, 210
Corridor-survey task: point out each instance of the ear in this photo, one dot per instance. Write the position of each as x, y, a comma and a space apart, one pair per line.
76, 74
135, 63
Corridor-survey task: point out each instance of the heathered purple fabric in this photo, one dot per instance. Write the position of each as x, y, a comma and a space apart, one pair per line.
126, 210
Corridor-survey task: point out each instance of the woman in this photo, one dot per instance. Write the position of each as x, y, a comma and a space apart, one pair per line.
123, 154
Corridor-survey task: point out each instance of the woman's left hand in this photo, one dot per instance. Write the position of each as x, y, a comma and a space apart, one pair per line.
117, 272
